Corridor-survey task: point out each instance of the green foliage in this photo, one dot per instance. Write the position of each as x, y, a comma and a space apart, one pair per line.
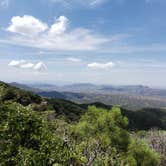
105, 126
156, 139
149, 118
32, 134
144, 119
142, 155
68, 109
14, 94
26, 139
101, 138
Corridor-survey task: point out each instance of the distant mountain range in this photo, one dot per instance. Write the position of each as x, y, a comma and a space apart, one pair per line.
106, 89
131, 97
142, 119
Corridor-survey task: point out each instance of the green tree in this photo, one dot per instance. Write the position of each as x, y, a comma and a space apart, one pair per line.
142, 155
26, 139
102, 139
98, 138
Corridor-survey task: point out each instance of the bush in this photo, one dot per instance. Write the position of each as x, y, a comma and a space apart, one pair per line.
102, 139
26, 139
98, 138
143, 155
8, 94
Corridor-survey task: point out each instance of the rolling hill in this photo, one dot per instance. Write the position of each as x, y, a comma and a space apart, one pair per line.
129, 97
142, 119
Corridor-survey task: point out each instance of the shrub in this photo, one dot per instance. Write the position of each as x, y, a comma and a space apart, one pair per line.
102, 139
26, 139
143, 155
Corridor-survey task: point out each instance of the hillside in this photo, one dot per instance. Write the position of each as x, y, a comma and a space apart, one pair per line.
29, 138
124, 100
14, 94
60, 107
138, 90
141, 119
51, 130
129, 97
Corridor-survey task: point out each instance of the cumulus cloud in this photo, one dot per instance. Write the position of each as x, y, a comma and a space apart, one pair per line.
15, 63
26, 25
55, 37
28, 65
74, 59
59, 27
40, 66
96, 65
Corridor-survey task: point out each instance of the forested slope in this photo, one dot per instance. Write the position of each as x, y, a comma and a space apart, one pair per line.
36, 131
142, 119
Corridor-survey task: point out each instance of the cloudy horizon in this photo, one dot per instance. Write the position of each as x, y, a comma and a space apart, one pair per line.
117, 42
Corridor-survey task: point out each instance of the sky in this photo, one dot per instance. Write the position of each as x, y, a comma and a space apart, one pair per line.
118, 42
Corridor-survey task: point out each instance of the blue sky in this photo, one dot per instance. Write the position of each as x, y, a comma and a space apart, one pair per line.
97, 41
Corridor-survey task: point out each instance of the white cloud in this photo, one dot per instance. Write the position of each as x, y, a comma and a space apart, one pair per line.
26, 25
74, 59
59, 27
4, 3
55, 38
15, 63
81, 39
28, 65
96, 65
40, 66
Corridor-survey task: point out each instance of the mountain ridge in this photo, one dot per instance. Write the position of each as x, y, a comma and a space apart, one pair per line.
128, 96
148, 117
